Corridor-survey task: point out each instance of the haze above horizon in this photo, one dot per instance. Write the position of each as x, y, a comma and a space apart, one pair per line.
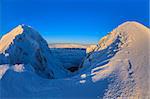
75, 21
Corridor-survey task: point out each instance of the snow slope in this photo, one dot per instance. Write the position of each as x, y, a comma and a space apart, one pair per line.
91, 48
24, 45
117, 68
123, 58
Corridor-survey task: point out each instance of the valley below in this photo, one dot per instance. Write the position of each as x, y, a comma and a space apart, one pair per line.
71, 58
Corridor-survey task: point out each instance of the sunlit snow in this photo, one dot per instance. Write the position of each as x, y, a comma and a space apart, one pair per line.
117, 67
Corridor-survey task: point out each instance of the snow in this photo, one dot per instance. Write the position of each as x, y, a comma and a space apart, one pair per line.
15, 68
91, 48
18, 67
83, 76
6, 40
82, 81
123, 64
3, 69
117, 68
24, 45
6, 54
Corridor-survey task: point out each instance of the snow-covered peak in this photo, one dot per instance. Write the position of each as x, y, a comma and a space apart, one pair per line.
124, 33
122, 58
9, 37
24, 45
132, 24
129, 26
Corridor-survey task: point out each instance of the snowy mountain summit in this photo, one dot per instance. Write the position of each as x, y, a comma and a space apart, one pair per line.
116, 68
122, 57
24, 45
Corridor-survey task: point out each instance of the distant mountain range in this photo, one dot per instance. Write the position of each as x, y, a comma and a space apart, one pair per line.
68, 45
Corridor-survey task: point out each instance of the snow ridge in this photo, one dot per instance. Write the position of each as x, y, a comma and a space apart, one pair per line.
24, 45
122, 58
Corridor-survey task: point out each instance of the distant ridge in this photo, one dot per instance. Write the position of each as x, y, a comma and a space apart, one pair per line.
68, 45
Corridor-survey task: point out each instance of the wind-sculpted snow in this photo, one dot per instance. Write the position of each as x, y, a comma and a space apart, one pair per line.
24, 45
27, 85
122, 57
118, 67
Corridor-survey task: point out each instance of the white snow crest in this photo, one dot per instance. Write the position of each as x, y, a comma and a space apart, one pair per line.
3, 69
18, 67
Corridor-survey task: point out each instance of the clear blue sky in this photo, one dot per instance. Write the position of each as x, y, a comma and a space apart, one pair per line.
74, 21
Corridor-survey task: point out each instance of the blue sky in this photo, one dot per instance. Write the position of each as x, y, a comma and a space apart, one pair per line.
71, 21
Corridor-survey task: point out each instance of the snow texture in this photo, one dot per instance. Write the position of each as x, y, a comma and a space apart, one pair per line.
24, 45
118, 67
